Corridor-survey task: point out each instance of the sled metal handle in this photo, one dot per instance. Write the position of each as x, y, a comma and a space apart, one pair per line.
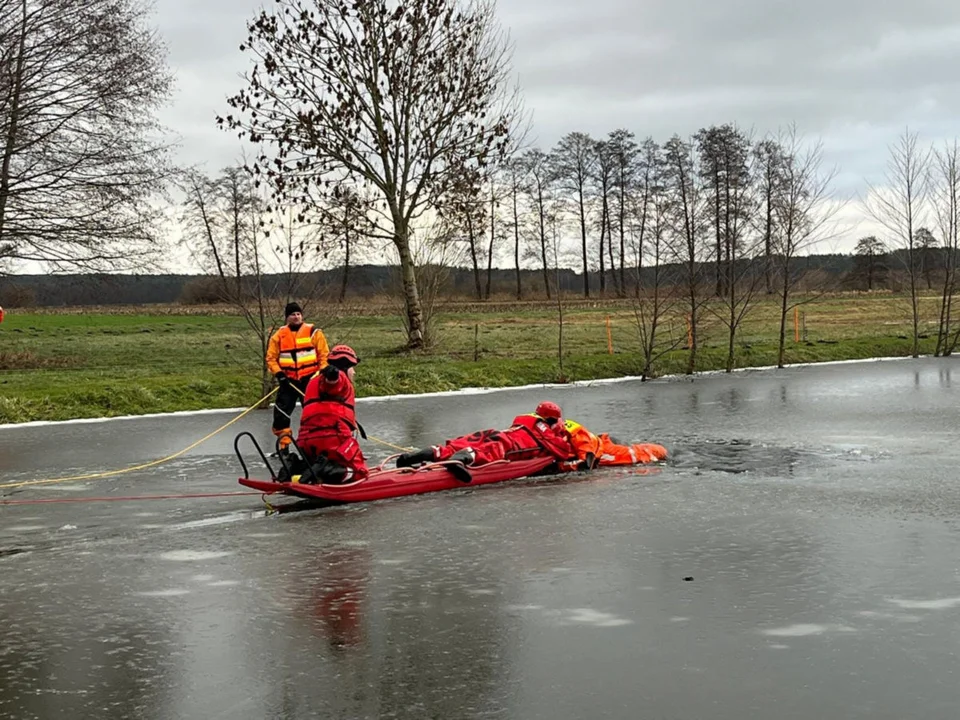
236, 449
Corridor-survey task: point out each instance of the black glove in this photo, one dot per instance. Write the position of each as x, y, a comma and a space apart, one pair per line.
331, 373
282, 378
588, 463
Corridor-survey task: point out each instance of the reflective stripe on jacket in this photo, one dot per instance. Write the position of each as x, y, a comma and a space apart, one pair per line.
297, 354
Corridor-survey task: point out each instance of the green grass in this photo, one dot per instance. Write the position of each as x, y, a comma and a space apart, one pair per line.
61, 366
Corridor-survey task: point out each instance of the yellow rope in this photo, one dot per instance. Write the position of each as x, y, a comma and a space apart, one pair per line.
390, 445
168, 458
152, 463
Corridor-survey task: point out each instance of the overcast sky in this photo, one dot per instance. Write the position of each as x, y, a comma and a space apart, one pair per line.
852, 72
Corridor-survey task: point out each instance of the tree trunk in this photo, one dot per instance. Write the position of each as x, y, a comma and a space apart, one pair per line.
411, 294
613, 267
784, 300
543, 243
516, 241
346, 266
623, 244
583, 242
719, 288
493, 233
692, 356
767, 238
473, 257
603, 234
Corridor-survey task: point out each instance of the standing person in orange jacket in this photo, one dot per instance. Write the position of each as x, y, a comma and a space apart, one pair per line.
295, 353
600, 450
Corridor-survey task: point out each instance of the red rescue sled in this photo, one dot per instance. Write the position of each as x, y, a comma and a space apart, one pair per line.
384, 483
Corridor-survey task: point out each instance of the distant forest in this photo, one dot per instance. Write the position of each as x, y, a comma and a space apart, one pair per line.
837, 271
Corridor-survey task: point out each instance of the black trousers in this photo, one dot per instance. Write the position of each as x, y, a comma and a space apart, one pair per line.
286, 402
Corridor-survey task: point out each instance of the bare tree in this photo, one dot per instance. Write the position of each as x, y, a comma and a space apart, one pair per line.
686, 209
900, 206
724, 157
624, 150
658, 295
466, 219
649, 173
80, 158
220, 225
497, 193
538, 185
724, 164
341, 227
396, 97
573, 160
604, 177
803, 213
945, 196
769, 162
514, 178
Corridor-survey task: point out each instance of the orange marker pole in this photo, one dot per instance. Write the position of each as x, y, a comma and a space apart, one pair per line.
609, 337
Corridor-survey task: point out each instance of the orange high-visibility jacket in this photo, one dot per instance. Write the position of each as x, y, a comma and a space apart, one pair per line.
608, 452
298, 354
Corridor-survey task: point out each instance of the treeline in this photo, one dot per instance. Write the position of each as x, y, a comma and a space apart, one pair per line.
843, 271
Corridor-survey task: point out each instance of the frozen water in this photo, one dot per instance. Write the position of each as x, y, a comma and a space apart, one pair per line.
815, 510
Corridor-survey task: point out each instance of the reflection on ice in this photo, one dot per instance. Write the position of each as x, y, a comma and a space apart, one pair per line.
941, 604
805, 629
193, 555
596, 618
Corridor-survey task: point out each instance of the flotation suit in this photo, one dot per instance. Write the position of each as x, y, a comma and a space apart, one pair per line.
296, 354
328, 423
606, 452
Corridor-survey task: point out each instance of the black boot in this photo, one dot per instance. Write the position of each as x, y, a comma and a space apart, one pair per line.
465, 456
324, 471
457, 464
295, 465
416, 457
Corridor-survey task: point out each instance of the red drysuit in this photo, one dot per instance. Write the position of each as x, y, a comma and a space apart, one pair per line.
528, 437
328, 422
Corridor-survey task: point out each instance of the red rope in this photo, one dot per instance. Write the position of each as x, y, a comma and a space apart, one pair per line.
126, 497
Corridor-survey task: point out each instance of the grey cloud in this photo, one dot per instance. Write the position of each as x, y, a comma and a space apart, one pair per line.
662, 67
852, 71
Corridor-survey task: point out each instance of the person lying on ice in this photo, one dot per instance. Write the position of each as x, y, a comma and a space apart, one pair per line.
328, 424
602, 450
574, 447
538, 434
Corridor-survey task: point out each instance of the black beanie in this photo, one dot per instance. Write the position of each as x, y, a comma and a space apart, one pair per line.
290, 309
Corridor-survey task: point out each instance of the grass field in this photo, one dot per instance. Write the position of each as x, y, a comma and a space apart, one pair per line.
74, 363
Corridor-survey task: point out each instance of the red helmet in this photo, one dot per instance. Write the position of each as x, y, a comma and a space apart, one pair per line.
343, 357
549, 409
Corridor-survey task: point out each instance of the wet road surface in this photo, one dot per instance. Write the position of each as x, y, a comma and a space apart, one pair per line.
796, 558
